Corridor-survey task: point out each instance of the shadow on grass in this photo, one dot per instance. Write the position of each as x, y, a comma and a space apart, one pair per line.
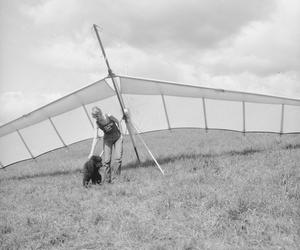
38, 175
144, 164
192, 156
292, 146
161, 160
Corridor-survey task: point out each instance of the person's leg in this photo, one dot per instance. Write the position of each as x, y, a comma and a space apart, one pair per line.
107, 148
118, 153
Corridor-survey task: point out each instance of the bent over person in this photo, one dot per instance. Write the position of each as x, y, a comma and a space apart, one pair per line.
112, 141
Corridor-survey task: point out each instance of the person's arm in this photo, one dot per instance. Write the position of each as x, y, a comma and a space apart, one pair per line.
95, 138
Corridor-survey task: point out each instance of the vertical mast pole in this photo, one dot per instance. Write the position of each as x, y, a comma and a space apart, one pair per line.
111, 75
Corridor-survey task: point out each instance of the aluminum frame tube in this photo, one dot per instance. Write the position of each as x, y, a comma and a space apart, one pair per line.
166, 111
204, 113
87, 114
57, 133
25, 144
282, 119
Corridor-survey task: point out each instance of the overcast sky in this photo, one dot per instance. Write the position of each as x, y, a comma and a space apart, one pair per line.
48, 48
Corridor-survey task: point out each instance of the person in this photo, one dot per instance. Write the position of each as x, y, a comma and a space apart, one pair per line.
112, 139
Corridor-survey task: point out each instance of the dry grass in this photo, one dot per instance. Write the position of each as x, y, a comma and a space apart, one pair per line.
222, 190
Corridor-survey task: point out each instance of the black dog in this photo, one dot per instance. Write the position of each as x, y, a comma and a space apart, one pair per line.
91, 171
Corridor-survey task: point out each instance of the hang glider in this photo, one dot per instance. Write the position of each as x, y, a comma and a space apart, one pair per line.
153, 105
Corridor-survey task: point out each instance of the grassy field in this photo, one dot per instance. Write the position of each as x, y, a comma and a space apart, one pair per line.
221, 190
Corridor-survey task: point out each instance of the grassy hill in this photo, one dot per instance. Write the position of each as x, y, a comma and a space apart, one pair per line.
221, 190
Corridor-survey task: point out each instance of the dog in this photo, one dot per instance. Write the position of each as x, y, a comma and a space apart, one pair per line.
91, 171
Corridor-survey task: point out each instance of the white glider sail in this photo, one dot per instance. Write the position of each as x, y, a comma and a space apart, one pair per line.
153, 105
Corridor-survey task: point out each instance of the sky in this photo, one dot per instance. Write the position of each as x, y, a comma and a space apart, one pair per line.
49, 49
